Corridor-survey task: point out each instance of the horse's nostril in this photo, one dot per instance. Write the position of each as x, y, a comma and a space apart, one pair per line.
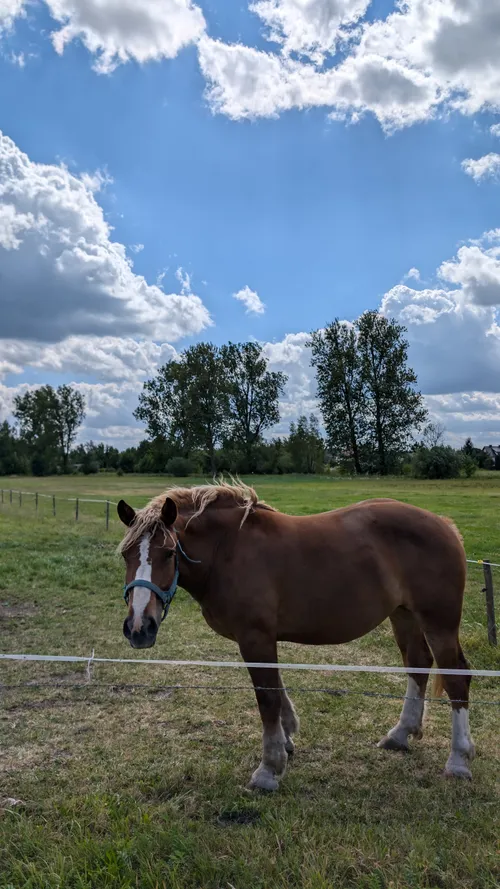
150, 626
127, 630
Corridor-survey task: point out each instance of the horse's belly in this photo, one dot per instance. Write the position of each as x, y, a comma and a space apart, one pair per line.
318, 626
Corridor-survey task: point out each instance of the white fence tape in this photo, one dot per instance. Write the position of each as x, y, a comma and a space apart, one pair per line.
326, 668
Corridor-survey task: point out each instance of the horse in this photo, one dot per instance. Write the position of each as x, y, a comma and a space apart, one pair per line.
261, 576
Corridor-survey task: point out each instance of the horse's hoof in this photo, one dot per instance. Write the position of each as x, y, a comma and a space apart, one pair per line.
393, 744
262, 780
289, 747
458, 772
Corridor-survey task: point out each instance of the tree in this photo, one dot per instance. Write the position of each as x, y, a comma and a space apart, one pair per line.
469, 449
340, 389
438, 462
13, 460
306, 446
433, 435
187, 402
49, 420
253, 393
393, 407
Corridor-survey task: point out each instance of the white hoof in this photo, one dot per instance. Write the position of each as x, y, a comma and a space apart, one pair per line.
263, 779
458, 765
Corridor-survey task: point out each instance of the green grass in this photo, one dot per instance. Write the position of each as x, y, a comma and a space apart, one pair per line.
125, 786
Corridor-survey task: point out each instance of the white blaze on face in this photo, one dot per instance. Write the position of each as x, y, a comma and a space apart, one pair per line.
141, 595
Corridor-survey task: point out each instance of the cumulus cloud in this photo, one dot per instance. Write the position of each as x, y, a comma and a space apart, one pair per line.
9, 11
487, 167
308, 27
62, 274
117, 31
251, 300
421, 59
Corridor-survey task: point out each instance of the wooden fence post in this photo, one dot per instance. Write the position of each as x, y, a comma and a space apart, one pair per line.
107, 515
76, 510
2, 495
10, 492
53, 505
36, 502
20, 499
490, 603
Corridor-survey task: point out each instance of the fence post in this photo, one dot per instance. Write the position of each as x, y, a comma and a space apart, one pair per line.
36, 502
490, 603
76, 510
20, 499
2, 495
53, 505
10, 496
107, 515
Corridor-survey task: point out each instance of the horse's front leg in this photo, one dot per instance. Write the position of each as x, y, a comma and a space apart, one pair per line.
267, 685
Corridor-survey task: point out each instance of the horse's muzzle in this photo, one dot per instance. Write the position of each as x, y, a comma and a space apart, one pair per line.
143, 638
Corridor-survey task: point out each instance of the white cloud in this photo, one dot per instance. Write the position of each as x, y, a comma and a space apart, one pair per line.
487, 167
308, 27
62, 274
251, 300
9, 11
495, 129
117, 31
422, 59
412, 274
476, 270
106, 358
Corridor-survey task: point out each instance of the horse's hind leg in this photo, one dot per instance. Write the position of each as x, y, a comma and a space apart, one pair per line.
448, 655
289, 719
416, 653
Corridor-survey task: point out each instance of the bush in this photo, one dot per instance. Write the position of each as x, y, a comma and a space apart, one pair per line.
119, 471
179, 467
469, 466
90, 467
439, 462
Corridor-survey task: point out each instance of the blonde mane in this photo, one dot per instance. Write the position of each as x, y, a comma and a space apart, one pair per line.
197, 499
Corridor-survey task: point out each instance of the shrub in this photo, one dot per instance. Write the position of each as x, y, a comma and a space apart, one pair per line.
439, 462
469, 466
179, 467
90, 467
119, 471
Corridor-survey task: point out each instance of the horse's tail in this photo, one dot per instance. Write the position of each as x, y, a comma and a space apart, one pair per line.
437, 686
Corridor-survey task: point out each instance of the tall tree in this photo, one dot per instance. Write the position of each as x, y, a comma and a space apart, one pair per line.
340, 389
253, 393
306, 445
49, 420
187, 402
393, 406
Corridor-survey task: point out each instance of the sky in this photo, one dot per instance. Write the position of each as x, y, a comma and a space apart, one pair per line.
174, 171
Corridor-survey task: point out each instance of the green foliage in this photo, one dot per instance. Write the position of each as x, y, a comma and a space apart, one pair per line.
439, 462
340, 389
179, 467
13, 453
253, 393
371, 408
394, 409
469, 466
49, 420
306, 446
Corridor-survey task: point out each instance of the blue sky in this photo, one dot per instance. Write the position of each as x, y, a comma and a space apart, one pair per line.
316, 169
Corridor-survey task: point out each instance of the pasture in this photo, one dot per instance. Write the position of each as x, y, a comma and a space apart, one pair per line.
124, 782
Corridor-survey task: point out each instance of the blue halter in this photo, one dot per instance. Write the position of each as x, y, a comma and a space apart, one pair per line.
165, 596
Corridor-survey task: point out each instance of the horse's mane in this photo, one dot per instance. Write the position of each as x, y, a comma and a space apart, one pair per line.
197, 499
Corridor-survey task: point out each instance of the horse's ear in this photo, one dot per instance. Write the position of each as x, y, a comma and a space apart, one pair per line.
168, 512
126, 513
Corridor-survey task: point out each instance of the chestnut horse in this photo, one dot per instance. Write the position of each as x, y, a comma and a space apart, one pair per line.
261, 577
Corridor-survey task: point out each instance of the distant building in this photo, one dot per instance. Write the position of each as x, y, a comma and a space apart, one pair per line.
493, 452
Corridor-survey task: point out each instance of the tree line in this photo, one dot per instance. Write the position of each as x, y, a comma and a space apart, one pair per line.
213, 408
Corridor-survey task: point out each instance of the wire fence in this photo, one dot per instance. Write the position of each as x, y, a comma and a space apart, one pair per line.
88, 679
58, 506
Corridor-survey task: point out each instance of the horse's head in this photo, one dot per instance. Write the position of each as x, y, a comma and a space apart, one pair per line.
151, 572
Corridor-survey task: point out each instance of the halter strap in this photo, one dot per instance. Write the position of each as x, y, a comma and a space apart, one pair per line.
165, 596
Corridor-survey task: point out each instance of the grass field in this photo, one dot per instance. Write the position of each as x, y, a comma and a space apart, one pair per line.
123, 786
